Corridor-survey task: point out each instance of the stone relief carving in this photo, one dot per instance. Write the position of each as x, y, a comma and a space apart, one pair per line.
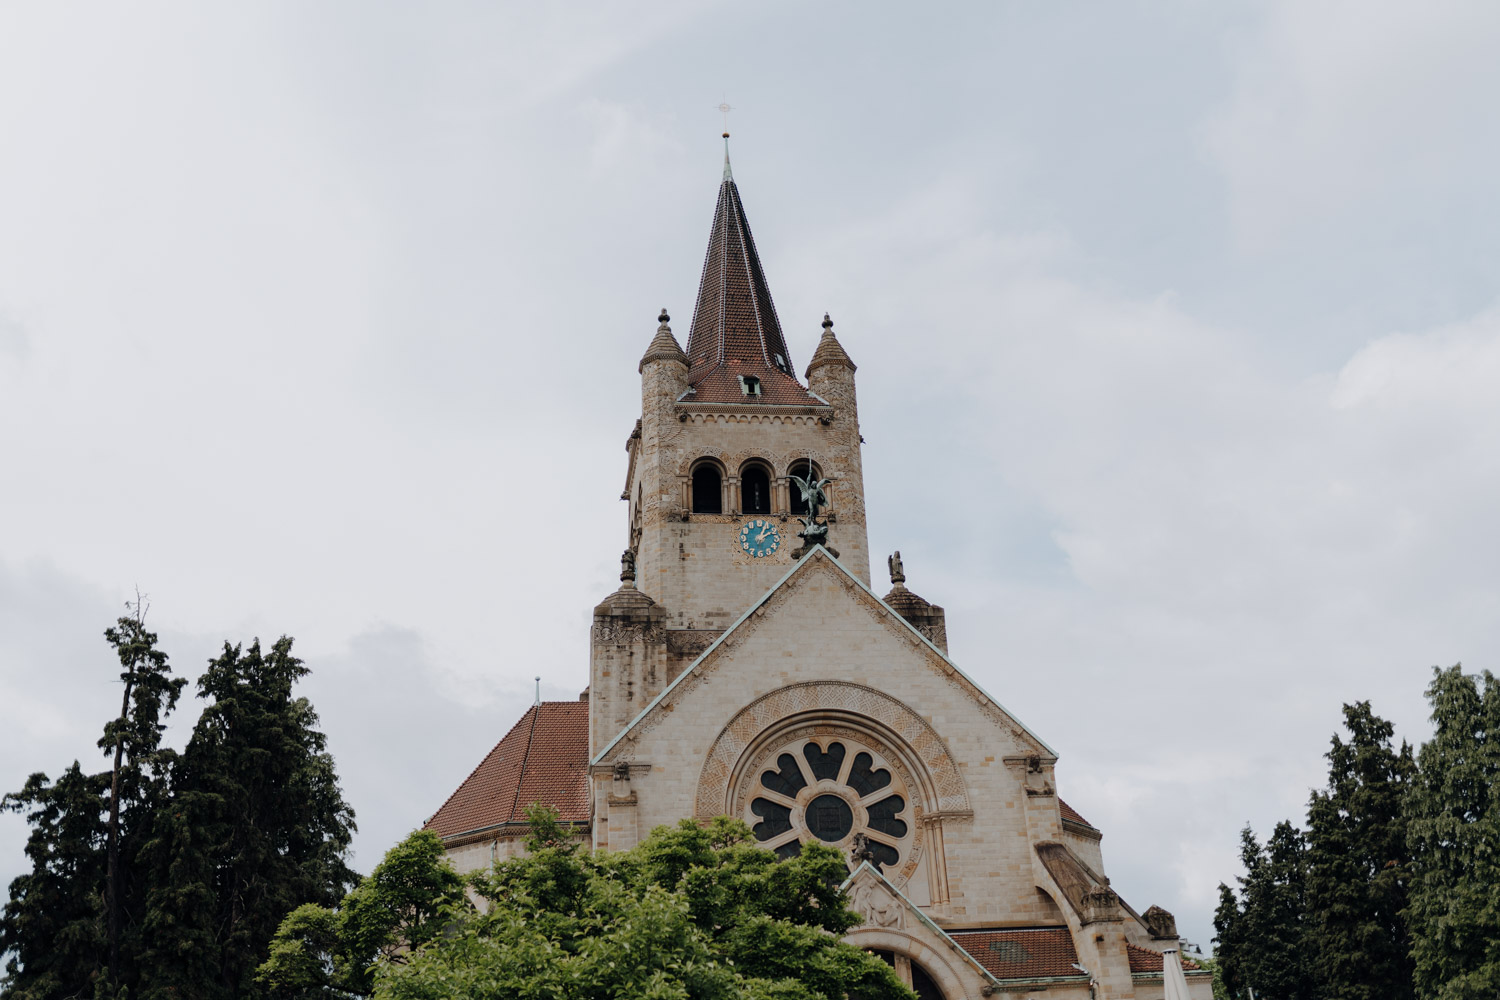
689, 642
610, 633
879, 908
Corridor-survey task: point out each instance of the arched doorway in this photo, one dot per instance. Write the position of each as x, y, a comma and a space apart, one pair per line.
913, 975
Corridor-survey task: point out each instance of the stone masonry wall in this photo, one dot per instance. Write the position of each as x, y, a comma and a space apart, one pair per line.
820, 628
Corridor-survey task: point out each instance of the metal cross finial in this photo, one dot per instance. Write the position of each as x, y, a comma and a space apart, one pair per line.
724, 109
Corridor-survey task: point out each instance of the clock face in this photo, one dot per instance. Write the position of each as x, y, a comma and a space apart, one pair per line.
759, 537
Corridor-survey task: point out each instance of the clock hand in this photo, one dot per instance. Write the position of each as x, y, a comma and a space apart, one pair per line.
763, 533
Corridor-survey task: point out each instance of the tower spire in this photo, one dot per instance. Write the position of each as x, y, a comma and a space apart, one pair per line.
735, 334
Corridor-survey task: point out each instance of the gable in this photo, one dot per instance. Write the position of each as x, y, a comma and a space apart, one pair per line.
821, 623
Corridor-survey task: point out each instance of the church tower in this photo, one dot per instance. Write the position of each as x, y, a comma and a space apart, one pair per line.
745, 668
715, 514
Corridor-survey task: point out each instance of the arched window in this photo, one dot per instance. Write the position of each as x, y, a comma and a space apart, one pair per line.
755, 490
807, 471
707, 497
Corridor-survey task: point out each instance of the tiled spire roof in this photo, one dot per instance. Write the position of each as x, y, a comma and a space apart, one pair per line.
735, 331
829, 352
663, 346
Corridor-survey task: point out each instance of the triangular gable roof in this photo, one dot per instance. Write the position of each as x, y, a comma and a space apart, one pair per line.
893, 618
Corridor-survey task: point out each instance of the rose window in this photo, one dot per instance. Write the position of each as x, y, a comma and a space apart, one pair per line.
831, 791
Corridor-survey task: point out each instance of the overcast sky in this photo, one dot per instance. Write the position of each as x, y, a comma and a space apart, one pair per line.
1178, 328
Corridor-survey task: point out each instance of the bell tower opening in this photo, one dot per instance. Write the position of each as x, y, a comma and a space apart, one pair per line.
708, 492
755, 490
805, 470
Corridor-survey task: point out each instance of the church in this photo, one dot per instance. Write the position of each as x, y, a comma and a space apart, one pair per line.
746, 666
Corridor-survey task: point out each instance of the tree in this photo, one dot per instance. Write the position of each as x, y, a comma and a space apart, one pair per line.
70, 923
1453, 832
1262, 935
1357, 864
404, 903
256, 827
140, 766
692, 912
1229, 943
53, 925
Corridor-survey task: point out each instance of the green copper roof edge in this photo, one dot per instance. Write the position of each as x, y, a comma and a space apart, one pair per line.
801, 564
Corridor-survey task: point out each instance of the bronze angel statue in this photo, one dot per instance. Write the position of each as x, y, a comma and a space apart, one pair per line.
813, 496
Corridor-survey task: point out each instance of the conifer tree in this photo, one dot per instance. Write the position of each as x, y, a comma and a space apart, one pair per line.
1270, 949
256, 828
1229, 945
138, 778
70, 924
1453, 832
53, 925
1357, 864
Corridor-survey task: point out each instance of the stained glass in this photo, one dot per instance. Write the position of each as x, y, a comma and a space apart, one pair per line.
788, 781
865, 778
775, 818
824, 765
883, 816
829, 818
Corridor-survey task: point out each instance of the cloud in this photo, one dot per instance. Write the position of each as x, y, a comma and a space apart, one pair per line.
1343, 110
13, 338
1224, 548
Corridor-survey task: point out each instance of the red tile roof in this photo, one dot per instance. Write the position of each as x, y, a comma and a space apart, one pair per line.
544, 758
1069, 813
735, 330
1032, 953
1146, 960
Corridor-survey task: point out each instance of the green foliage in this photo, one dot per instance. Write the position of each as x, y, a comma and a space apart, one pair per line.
1453, 832
257, 827
1230, 945
212, 848
1358, 864
1262, 935
55, 924
408, 900
692, 913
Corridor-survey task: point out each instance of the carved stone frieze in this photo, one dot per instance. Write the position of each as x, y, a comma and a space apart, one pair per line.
690, 642
608, 632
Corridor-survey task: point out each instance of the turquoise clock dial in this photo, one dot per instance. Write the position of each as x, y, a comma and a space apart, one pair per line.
759, 537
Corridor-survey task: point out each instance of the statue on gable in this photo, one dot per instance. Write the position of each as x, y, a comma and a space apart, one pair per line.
814, 495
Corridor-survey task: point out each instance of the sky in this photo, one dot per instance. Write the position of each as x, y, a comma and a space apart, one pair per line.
1178, 326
